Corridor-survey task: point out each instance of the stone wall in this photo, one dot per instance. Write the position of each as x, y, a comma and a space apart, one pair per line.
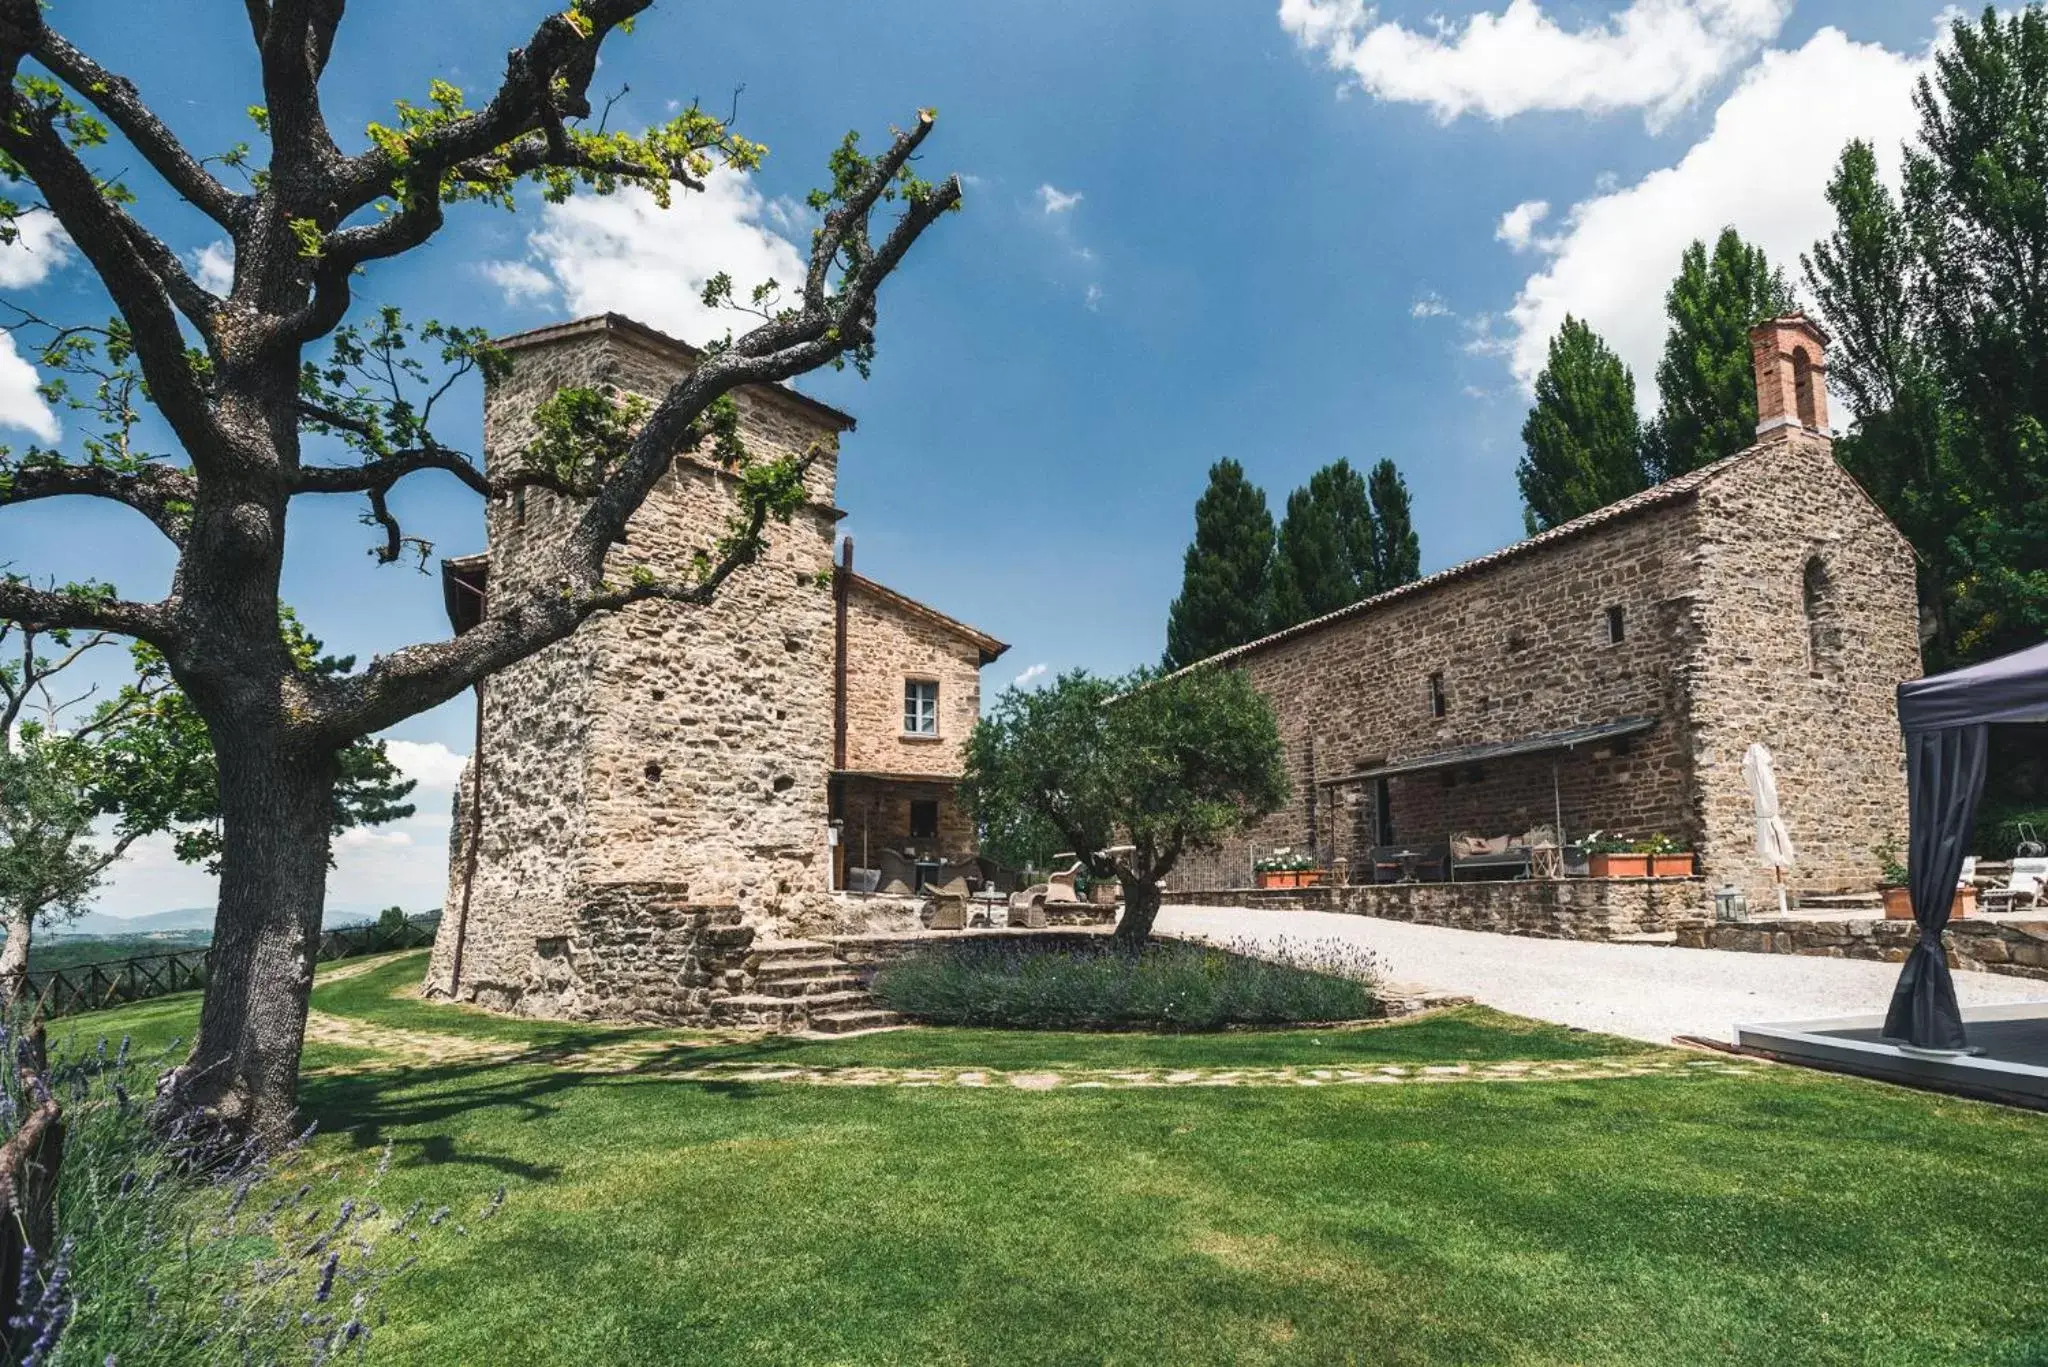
1713, 576
1819, 689
630, 952
661, 744
1562, 909
887, 645
2003, 945
1523, 650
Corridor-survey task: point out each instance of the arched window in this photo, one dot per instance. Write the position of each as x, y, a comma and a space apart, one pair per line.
1823, 624
1802, 389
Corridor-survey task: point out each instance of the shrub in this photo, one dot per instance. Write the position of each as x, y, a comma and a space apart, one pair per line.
1170, 985
172, 1248
2001, 828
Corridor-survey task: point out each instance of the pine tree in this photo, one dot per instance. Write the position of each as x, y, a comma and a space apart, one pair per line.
1396, 550
1706, 380
1324, 555
1225, 576
1582, 439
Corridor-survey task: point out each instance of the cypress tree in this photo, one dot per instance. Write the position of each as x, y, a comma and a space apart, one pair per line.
1323, 559
1706, 381
1225, 575
1396, 550
1582, 440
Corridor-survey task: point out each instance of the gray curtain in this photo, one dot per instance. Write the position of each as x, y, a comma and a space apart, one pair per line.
1944, 779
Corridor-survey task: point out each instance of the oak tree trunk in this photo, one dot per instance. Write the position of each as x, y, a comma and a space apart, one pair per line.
1141, 909
243, 1072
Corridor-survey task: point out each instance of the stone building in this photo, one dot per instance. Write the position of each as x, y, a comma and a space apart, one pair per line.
1609, 673
669, 769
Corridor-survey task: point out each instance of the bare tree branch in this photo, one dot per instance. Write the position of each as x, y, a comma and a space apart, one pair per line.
116, 97
162, 493
22, 602
107, 236
294, 53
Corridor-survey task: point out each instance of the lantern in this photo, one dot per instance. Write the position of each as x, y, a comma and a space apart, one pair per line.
1730, 904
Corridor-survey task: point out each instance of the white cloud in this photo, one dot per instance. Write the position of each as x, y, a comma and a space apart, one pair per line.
1756, 169
26, 262
1035, 672
1429, 305
624, 253
1091, 298
1055, 201
1517, 226
40, 248
520, 281
1656, 55
432, 764
214, 266
20, 405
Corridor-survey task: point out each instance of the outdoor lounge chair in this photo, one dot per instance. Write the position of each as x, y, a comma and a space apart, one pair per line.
899, 874
954, 878
1027, 907
1476, 854
2023, 889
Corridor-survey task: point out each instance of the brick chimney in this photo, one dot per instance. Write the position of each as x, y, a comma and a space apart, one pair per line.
1790, 354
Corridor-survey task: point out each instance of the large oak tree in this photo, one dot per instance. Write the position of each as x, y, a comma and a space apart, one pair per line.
235, 380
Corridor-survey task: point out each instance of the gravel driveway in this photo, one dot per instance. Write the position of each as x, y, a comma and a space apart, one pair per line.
1649, 992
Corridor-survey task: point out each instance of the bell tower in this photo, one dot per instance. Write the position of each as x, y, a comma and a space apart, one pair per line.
1790, 355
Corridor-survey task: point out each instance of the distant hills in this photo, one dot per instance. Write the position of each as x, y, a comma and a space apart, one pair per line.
100, 925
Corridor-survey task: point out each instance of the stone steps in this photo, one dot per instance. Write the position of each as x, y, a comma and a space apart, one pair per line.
813, 987
847, 1022
802, 984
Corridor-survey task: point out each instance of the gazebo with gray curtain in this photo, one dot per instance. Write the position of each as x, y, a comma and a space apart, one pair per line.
1947, 720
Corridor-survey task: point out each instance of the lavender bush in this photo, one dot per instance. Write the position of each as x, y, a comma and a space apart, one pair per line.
1171, 985
175, 1248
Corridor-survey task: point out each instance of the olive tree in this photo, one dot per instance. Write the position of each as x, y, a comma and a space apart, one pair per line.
234, 379
1133, 772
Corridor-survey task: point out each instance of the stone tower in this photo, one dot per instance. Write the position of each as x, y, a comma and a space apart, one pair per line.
665, 764
1790, 355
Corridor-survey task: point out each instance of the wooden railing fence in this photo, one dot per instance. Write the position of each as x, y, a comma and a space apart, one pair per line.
97, 986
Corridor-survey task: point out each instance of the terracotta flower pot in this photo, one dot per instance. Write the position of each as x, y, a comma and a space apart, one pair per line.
1619, 865
1308, 878
1898, 904
1671, 865
1276, 878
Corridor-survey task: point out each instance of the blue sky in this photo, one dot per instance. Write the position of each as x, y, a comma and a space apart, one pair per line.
1193, 230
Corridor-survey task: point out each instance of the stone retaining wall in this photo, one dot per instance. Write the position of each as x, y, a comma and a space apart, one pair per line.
636, 951
1566, 909
2019, 948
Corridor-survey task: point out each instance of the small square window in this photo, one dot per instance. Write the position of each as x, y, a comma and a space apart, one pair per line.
924, 818
1438, 704
921, 707
1617, 626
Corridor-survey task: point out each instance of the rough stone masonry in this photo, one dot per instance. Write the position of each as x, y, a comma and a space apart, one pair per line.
654, 790
1763, 598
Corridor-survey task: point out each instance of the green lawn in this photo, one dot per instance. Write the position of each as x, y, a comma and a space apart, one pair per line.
1694, 1215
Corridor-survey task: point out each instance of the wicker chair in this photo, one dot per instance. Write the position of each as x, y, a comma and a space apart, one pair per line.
899, 874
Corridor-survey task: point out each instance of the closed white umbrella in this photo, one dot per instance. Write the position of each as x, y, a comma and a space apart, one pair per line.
1773, 841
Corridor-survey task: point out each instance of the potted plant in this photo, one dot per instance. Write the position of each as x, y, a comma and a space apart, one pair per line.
1614, 856
1668, 859
1891, 882
1283, 868
1276, 870
1898, 897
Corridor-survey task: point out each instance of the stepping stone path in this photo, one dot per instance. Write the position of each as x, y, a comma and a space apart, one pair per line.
669, 1059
